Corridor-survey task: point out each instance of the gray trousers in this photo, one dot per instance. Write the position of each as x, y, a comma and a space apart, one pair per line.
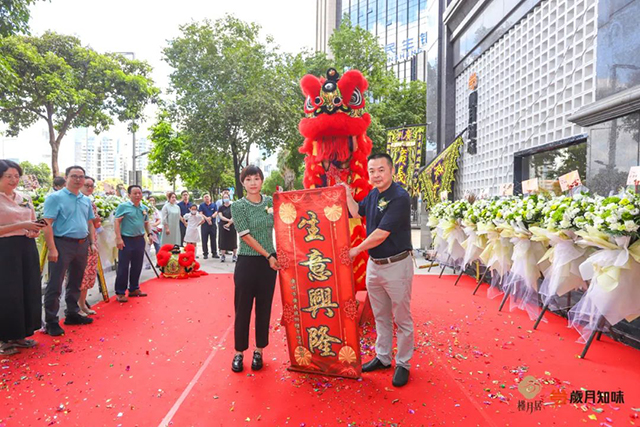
72, 257
389, 288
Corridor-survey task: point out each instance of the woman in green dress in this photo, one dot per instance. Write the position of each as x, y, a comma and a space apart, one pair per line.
171, 221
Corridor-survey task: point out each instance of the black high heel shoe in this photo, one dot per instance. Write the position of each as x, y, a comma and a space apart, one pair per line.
256, 364
236, 365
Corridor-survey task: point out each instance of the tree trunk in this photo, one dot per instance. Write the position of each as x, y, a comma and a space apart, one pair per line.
239, 190
55, 147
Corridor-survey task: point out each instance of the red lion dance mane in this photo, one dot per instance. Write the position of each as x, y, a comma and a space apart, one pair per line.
336, 144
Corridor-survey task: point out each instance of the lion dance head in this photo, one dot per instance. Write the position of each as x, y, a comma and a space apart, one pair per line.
336, 144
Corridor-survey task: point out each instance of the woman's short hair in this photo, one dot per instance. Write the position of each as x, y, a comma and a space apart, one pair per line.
251, 170
170, 193
5, 165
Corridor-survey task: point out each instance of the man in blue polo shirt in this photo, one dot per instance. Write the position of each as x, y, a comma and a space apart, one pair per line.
69, 240
185, 208
390, 269
131, 226
208, 228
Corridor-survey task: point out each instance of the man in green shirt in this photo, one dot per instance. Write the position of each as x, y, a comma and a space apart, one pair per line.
131, 226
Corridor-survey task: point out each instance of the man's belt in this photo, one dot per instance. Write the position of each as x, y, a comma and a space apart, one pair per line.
392, 259
140, 236
71, 239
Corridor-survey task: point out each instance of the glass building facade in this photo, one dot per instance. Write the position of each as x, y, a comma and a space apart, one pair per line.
405, 28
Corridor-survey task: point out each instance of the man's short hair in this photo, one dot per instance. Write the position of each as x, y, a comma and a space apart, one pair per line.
59, 181
377, 156
183, 192
70, 168
205, 195
251, 170
131, 187
86, 178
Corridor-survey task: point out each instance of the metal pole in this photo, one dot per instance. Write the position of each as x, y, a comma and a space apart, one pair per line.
432, 261
481, 279
459, 276
593, 334
506, 293
544, 310
444, 266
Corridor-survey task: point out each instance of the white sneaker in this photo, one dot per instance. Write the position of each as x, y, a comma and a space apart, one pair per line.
222, 258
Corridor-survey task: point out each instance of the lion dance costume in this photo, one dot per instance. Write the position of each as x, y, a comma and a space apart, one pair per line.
336, 144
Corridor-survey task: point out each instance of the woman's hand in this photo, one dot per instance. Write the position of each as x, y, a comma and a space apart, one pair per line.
167, 231
273, 263
32, 234
32, 225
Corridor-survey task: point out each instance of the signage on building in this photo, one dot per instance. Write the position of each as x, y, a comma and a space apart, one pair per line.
473, 81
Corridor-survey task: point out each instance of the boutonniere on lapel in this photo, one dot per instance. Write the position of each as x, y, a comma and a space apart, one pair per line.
382, 204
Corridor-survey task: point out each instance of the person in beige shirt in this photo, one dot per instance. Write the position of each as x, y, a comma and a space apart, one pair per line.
20, 302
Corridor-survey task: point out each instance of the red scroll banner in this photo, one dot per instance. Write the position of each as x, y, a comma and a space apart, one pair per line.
316, 281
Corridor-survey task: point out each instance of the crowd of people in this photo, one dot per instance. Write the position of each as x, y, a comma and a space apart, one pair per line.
70, 224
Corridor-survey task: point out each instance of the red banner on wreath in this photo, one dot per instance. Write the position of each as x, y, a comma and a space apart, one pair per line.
316, 281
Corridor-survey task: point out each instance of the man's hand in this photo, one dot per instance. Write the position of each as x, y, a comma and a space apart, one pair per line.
53, 255
354, 252
167, 231
208, 220
93, 249
120, 243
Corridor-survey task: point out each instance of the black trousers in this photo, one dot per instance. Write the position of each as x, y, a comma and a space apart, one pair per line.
21, 300
254, 280
72, 258
208, 234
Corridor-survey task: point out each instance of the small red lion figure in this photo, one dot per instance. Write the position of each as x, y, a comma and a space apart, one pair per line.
336, 142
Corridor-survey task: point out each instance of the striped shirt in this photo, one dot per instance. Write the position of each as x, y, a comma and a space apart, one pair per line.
253, 218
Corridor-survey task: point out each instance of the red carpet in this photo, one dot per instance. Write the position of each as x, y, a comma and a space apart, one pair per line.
167, 357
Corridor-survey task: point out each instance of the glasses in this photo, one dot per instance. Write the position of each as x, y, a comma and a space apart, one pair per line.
88, 185
76, 176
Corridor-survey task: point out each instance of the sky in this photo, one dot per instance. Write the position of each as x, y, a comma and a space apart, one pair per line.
143, 27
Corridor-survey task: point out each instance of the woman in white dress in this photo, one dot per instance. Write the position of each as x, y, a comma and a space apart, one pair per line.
171, 221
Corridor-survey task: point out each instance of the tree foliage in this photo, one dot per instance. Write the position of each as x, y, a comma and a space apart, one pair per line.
169, 156
14, 16
228, 91
41, 171
68, 85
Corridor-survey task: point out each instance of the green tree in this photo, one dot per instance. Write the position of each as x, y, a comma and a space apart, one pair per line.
69, 86
41, 172
169, 156
228, 91
14, 16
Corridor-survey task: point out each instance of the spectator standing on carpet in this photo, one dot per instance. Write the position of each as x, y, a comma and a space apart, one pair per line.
192, 221
69, 240
185, 207
228, 235
131, 226
210, 212
91, 271
387, 209
256, 269
170, 221
20, 304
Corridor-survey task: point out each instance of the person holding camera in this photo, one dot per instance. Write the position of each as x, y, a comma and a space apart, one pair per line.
20, 305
